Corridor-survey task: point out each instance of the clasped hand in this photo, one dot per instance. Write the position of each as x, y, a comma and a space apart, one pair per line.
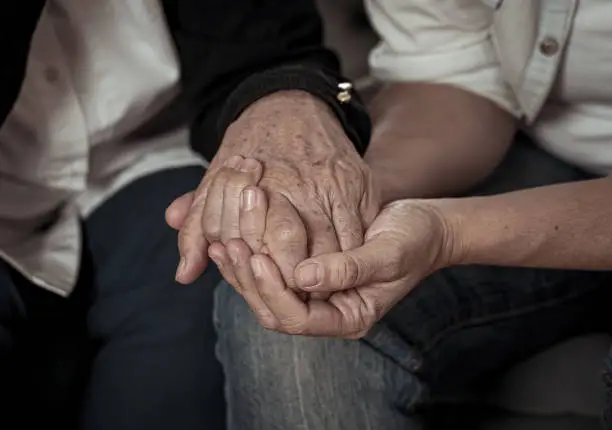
294, 226
361, 284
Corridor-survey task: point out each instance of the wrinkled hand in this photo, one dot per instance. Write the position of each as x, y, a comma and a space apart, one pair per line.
407, 241
319, 190
234, 174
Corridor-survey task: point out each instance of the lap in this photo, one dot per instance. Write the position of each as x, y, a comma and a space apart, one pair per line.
439, 349
460, 325
154, 364
38, 356
463, 323
281, 381
137, 344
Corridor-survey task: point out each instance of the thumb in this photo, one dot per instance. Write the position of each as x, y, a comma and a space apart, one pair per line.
378, 260
178, 210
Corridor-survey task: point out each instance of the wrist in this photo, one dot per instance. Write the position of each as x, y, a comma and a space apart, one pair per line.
289, 125
456, 242
294, 105
321, 87
295, 124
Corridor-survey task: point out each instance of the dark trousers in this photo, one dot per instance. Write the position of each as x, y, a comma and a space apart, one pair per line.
130, 348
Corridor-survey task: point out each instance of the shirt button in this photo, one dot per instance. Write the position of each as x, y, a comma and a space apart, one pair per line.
51, 75
549, 46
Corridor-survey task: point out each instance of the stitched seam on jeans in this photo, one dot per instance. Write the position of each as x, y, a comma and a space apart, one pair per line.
296, 368
513, 313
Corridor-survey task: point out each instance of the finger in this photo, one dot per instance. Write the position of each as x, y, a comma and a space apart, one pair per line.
240, 256
370, 205
285, 236
322, 237
178, 210
248, 173
314, 318
219, 255
378, 260
253, 212
212, 212
192, 243
348, 226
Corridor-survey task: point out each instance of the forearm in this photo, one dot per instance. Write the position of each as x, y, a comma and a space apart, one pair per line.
559, 226
435, 140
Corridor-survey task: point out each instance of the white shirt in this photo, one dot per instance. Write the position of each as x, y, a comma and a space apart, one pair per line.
96, 71
576, 121
545, 61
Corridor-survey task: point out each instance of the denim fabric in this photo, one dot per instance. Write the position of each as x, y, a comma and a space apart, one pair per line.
457, 329
130, 348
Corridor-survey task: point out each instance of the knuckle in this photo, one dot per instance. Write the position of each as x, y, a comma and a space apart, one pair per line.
218, 178
239, 180
266, 295
285, 231
211, 231
293, 327
372, 311
234, 160
349, 272
396, 263
268, 322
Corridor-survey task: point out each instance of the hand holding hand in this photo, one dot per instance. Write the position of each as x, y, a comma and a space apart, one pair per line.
407, 241
309, 167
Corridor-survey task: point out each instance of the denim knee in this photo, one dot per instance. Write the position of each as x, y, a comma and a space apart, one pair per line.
281, 381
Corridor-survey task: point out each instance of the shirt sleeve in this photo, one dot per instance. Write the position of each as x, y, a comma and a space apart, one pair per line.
439, 41
233, 55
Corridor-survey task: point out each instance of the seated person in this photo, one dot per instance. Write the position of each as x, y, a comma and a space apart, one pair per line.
96, 100
445, 290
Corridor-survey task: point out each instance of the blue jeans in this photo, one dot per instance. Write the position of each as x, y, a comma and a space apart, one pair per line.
458, 328
130, 348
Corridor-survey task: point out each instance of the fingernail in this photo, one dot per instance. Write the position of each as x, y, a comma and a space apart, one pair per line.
248, 200
241, 167
182, 267
309, 275
256, 267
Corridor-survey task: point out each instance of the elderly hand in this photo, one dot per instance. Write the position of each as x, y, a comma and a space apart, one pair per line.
320, 192
407, 241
